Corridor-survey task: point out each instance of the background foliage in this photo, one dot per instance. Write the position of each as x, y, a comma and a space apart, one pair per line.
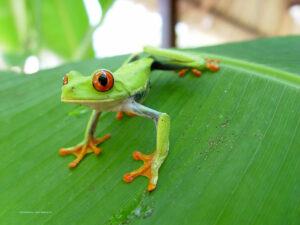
28, 27
234, 145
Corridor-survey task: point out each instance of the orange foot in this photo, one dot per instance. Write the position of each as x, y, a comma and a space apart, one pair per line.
120, 115
196, 72
81, 150
144, 170
212, 64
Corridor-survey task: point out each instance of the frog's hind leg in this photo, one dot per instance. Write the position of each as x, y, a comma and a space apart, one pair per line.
88, 145
153, 161
181, 60
211, 64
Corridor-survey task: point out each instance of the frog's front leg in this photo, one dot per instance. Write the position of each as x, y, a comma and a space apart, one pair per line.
89, 144
152, 162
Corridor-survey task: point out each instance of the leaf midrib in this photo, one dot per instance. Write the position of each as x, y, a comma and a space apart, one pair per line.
270, 73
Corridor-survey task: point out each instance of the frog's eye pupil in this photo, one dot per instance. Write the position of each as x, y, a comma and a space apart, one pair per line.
102, 79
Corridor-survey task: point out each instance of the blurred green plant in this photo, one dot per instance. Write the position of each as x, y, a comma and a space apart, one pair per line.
62, 27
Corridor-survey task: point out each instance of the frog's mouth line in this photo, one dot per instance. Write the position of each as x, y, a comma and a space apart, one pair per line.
85, 100
93, 101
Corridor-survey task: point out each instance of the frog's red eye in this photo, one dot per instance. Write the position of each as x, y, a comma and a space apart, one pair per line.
65, 79
103, 80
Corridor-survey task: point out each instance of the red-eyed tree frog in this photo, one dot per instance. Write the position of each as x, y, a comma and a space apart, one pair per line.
124, 90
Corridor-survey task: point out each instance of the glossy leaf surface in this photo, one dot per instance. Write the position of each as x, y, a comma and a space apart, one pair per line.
234, 145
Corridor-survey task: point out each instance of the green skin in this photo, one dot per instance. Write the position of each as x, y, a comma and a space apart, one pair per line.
129, 90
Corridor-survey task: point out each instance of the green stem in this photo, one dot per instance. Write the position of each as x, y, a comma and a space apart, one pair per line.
86, 42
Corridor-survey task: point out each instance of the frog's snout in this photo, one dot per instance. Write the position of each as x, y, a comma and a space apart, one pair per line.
68, 89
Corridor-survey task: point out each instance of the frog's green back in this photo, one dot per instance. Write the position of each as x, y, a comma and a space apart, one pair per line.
134, 76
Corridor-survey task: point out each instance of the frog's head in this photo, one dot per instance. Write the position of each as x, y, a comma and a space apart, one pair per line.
101, 86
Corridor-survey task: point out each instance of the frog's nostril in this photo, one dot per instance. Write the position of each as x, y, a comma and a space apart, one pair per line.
72, 88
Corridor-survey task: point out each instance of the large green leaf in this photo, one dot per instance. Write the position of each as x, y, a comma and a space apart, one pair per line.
64, 26
12, 34
59, 25
234, 146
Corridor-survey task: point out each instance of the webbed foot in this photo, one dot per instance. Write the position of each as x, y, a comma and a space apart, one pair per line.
212, 64
145, 170
82, 149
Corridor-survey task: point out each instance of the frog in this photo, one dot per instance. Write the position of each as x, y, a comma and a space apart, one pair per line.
124, 92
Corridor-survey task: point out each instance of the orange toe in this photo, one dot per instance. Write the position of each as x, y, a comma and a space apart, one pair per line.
66, 151
100, 140
128, 178
151, 187
97, 151
62, 152
196, 72
119, 115
72, 164
136, 155
182, 72
130, 114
